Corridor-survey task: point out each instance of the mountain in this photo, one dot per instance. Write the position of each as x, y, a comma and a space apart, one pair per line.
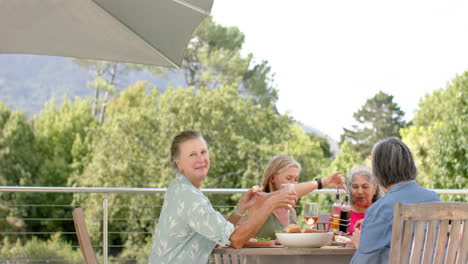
27, 82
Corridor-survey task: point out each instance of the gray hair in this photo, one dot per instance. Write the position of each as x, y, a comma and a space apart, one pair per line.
392, 162
366, 172
179, 139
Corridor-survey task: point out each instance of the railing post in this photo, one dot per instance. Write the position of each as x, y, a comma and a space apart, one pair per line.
105, 230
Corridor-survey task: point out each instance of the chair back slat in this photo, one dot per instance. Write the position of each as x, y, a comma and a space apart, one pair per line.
463, 255
397, 235
226, 258
83, 237
415, 257
406, 242
454, 242
428, 251
441, 241
234, 259
430, 233
217, 258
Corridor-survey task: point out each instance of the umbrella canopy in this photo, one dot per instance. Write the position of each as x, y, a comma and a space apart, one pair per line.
138, 31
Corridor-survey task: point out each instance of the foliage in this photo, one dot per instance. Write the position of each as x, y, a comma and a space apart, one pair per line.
213, 59
324, 144
18, 165
380, 117
440, 137
107, 75
131, 148
138, 251
420, 140
17, 162
34, 250
344, 162
56, 131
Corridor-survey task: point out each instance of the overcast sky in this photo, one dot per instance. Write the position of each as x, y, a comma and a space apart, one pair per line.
329, 57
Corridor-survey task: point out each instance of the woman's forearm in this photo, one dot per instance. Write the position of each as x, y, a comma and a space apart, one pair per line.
305, 187
247, 201
248, 229
234, 218
333, 181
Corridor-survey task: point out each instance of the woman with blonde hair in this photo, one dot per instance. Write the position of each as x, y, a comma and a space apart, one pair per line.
282, 169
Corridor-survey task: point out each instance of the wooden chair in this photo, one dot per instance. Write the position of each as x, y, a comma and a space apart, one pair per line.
430, 233
229, 259
83, 237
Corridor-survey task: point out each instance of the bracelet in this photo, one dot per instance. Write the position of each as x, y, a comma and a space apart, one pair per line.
237, 212
319, 183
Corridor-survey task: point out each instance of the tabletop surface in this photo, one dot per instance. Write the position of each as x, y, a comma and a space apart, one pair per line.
280, 250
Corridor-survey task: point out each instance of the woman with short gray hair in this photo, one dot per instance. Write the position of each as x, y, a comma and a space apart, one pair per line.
394, 168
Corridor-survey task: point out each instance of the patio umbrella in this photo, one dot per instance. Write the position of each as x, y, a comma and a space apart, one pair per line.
152, 32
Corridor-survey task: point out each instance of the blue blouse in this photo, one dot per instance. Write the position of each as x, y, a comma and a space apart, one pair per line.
376, 234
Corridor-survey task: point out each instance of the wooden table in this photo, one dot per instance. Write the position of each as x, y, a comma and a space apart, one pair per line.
279, 254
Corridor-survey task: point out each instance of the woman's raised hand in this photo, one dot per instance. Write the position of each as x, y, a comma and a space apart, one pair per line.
248, 200
336, 180
281, 199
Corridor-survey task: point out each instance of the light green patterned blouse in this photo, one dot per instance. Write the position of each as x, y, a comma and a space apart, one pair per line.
189, 228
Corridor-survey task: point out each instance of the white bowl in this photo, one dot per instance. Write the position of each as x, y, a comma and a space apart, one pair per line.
313, 240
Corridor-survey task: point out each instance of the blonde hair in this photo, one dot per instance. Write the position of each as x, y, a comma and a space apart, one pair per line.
275, 166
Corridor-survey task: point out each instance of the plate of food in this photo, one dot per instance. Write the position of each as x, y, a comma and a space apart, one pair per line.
295, 236
253, 242
342, 240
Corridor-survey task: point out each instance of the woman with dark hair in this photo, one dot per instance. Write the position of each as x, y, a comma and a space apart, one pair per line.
189, 227
394, 168
364, 190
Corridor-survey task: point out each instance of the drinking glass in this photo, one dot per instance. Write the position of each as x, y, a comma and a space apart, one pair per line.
289, 187
311, 213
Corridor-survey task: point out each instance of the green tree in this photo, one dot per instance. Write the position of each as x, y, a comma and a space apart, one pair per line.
441, 148
56, 130
131, 148
53, 249
18, 164
420, 140
107, 75
344, 161
213, 58
380, 117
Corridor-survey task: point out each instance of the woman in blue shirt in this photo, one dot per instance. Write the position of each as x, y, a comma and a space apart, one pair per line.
394, 168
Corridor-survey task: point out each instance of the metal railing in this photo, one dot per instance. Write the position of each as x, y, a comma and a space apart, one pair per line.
105, 203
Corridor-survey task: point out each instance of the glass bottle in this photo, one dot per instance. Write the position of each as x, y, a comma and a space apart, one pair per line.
335, 215
345, 215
